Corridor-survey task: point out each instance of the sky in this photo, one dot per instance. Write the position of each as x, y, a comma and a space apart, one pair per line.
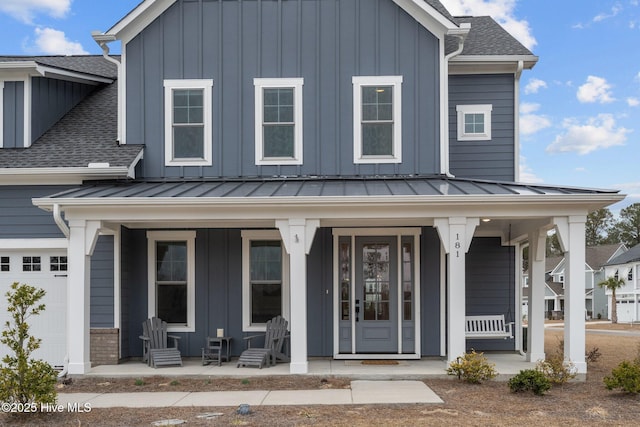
579, 106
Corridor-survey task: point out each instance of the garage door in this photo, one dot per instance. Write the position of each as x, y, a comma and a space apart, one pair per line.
46, 269
626, 311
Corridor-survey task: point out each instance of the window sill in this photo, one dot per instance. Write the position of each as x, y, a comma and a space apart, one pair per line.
377, 159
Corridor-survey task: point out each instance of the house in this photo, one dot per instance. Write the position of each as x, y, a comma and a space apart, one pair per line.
625, 266
596, 257
351, 165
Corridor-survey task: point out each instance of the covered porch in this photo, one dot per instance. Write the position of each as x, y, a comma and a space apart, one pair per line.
457, 211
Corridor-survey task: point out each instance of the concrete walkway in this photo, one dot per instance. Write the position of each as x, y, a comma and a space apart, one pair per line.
361, 392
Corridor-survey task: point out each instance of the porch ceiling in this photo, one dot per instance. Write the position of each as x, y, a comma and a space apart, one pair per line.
359, 201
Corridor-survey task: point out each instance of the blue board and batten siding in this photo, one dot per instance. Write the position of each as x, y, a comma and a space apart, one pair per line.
324, 42
51, 100
219, 289
102, 282
493, 159
13, 112
20, 219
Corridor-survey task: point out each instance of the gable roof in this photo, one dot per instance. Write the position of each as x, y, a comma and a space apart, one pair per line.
632, 255
598, 256
85, 135
488, 38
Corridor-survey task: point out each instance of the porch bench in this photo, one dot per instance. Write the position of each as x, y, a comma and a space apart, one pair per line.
487, 327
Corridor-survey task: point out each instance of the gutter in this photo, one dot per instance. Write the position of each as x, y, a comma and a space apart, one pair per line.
461, 34
57, 217
103, 40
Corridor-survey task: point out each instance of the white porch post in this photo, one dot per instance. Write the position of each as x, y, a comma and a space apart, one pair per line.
456, 234
82, 239
297, 235
571, 232
535, 293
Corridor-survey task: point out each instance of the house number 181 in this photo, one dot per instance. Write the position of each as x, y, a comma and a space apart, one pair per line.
457, 245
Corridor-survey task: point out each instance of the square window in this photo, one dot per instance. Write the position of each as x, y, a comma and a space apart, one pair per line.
188, 128
30, 263
278, 126
5, 263
377, 119
474, 122
58, 263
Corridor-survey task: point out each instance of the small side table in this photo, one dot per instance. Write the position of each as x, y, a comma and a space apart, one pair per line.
214, 348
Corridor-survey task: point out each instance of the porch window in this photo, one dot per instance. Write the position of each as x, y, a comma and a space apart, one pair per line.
188, 133
172, 278
377, 113
345, 279
278, 127
474, 122
407, 280
265, 278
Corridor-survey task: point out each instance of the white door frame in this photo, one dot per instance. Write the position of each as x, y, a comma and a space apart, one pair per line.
398, 233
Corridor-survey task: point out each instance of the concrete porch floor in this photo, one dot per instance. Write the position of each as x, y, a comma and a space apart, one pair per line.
506, 364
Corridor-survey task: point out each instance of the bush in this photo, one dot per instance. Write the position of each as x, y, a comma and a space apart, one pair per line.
472, 367
625, 376
22, 379
530, 379
555, 368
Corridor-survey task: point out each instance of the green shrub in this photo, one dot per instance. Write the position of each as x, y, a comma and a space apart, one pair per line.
625, 376
556, 369
22, 379
472, 367
530, 379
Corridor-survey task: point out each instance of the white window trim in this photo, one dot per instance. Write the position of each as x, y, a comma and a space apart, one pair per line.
474, 109
190, 238
358, 83
247, 237
206, 85
259, 85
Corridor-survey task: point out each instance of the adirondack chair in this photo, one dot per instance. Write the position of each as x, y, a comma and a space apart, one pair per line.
274, 338
155, 349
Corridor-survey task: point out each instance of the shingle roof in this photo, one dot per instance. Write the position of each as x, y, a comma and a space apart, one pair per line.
440, 8
94, 65
486, 38
597, 256
86, 134
632, 255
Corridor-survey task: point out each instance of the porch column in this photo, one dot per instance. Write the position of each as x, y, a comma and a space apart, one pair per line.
535, 294
571, 235
297, 235
82, 239
456, 234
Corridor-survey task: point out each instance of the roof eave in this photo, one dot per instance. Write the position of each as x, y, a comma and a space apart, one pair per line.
462, 64
60, 176
35, 69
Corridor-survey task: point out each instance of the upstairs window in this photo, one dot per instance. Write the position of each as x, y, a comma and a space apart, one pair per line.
188, 132
278, 127
377, 113
474, 122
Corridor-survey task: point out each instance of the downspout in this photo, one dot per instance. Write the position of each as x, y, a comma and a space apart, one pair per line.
516, 122
103, 40
57, 217
444, 120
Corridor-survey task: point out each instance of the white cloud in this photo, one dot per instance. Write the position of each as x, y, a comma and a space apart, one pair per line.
617, 8
25, 10
531, 123
597, 133
503, 11
53, 42
534, 85
633, 102
526, 173
596, 89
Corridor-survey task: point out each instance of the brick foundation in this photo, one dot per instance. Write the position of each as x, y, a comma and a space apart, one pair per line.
105, 348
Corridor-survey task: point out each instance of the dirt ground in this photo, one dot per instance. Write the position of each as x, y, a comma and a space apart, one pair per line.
491, 403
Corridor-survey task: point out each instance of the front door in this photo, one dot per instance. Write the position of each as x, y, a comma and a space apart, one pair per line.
376, 293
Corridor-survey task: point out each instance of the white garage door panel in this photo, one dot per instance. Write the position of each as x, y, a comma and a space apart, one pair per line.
626, 312
50, 325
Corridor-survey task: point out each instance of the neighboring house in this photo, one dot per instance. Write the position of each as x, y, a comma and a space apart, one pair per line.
626, 266
351, 165
595, 300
